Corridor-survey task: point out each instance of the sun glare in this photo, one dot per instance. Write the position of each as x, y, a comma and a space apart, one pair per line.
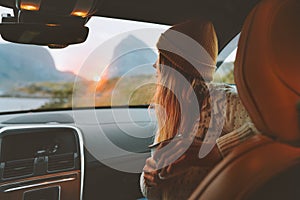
96, 78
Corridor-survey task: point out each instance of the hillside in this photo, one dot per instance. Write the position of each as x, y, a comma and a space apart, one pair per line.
29, 71
131, 55
128, 76
225, 73
26, 64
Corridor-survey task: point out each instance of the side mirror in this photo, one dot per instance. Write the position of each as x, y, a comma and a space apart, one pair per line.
52, 35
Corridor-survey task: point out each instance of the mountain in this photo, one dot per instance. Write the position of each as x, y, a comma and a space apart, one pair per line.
24, 64
131, 55
126, 79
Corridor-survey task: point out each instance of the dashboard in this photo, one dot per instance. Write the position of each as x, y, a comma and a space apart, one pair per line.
74, 154
41, 162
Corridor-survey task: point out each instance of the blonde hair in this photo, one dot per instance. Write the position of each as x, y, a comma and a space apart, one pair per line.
179, 114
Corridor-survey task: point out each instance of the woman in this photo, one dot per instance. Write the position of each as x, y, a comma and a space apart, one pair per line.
202, 112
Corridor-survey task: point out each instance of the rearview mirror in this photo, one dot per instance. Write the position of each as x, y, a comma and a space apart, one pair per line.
52, 35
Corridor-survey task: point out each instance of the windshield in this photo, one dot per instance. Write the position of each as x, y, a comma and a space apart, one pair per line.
113, 67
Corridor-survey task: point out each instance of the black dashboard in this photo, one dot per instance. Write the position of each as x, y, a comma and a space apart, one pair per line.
37, 143
41, 162
69, 153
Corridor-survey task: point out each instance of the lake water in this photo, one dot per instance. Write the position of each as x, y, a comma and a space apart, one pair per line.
16, 104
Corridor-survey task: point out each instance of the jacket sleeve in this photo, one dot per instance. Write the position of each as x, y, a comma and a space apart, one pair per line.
151, 193
228, 142
238, 125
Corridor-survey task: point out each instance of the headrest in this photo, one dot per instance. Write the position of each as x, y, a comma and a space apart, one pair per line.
267, 68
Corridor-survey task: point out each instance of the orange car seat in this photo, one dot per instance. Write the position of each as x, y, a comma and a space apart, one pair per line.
267, 74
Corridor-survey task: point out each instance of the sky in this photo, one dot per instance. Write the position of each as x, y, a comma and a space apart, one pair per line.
231, 57
103, 32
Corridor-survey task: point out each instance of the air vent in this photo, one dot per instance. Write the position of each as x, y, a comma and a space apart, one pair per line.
60, 162
18, 168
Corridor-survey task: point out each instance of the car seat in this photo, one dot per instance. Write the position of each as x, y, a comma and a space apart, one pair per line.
267, 74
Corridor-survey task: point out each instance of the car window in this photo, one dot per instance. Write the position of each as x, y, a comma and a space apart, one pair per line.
113, 67
224, 73
129, 76
226, 58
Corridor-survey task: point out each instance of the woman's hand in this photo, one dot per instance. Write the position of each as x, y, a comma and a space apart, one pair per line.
178, 156
151, 173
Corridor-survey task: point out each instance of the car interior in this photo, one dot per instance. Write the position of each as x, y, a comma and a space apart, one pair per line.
266, 166
76, 86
